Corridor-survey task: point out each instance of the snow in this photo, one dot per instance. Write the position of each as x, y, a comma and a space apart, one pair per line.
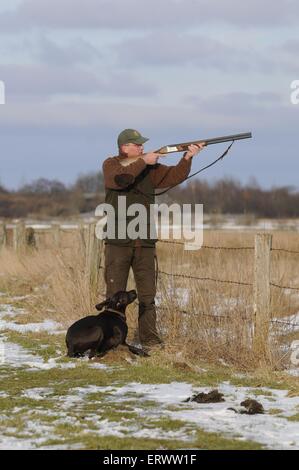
12, 354
293, 372
37, 393
46, 325
179, 295
275, 432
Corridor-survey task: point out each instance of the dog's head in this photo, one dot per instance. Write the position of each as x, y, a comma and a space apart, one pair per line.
119, 300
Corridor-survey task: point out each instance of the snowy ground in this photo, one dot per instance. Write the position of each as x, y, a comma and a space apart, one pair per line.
273, 429
225, 222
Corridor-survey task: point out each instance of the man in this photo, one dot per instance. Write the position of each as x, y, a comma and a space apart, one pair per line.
137, 181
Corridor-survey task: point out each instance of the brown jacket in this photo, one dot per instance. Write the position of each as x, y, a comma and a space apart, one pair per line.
162, 176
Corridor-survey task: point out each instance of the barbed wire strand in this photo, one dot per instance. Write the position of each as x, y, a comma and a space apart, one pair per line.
171, 242
284, 250
284, 322
284, 287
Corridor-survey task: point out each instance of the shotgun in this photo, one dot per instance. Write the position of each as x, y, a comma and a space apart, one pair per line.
183, 146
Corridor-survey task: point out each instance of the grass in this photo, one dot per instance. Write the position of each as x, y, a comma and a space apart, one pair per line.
17, 410
294, 417
157, 369
263, 392
100, 406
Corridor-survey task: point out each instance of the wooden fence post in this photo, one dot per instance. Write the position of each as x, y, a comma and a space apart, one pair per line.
82, 237
56, 234
2, 235
30, 238
19, 237
262, 297
92, 259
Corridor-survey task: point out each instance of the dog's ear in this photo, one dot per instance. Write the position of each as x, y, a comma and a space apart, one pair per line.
102, 304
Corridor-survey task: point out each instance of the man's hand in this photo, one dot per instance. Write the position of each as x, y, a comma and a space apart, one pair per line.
151, 158
194, 150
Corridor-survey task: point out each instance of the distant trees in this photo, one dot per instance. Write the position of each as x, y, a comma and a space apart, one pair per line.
43, 186
228, 196
48, 198
90, 183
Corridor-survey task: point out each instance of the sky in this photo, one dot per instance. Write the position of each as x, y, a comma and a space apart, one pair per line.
77, 73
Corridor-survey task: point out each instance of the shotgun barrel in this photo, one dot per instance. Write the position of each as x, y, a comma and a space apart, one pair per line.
183, 146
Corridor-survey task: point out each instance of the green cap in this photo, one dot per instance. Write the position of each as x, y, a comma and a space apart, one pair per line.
130, 136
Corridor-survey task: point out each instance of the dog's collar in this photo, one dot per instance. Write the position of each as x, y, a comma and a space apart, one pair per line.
121, 314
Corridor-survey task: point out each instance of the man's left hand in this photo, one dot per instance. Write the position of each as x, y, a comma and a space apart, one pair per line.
194, 150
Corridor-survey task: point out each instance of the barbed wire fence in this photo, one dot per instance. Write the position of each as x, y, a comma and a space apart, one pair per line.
23, 236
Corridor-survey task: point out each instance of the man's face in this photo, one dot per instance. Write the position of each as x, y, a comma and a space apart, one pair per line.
132, 150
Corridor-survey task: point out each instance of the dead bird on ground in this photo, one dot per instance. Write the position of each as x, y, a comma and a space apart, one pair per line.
211, 397
250, 407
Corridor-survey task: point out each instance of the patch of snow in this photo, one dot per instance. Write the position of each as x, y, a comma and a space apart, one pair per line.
9, 310
275, 432
12, 354
121, 429
14, 443
179, 295
46, 325
98, 365
37, 393
82, 391
20, 297
290, 323
63, 447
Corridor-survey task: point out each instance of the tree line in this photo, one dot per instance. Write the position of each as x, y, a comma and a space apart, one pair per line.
51, 198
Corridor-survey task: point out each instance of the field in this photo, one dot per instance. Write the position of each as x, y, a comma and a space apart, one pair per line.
120, 402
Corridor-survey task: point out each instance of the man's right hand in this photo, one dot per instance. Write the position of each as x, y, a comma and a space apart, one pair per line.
151, 158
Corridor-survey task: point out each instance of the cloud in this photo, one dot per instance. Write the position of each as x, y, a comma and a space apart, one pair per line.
233, 112
156, 14
73, 137
170, 48
264, 111
43, 81
78, 52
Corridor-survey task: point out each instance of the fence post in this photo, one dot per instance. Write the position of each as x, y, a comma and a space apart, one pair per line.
30, 238
92, 258
19, 237
2, 235
82, 238
262, 297
56, 234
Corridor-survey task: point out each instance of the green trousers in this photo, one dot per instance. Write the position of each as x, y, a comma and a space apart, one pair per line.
118, 260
